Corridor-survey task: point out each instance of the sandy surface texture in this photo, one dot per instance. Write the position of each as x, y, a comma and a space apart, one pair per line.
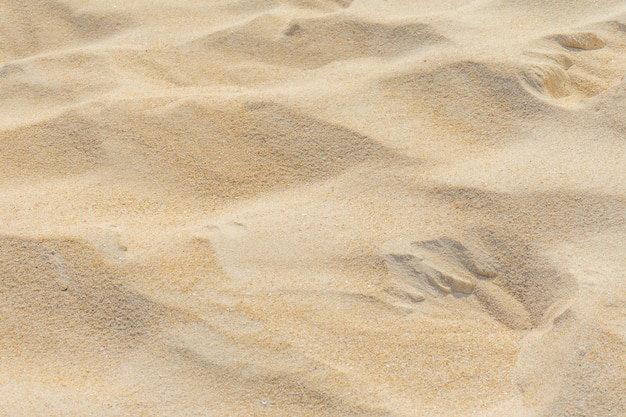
240, 208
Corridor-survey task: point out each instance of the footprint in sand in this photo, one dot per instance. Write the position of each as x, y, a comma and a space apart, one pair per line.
436, 268
576, 65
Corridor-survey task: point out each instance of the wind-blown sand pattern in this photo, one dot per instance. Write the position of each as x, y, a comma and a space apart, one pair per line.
313, 208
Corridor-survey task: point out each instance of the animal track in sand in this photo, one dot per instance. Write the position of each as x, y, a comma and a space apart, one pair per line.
436, 268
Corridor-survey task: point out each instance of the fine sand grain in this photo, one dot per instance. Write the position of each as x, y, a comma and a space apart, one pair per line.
313, 208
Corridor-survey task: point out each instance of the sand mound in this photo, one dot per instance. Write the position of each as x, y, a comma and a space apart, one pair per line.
446, 97
69, 140
66, 299
314, 42
259, 5
312, 208
39, 26
207, 150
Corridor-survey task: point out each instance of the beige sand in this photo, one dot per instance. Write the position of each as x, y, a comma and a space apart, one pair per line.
313, 208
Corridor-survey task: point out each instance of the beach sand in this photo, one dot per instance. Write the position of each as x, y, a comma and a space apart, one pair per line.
313, 208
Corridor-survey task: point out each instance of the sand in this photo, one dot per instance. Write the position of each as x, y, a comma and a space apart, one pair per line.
313, 208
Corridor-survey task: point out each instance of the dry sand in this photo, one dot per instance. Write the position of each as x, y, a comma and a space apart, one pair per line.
313, 208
